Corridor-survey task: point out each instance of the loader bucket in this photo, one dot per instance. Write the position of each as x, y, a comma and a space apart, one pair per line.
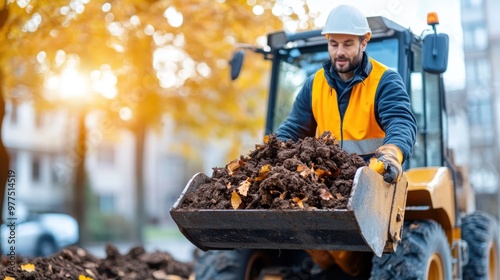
372, 221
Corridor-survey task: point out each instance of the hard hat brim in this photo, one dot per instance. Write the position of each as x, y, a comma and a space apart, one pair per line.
346, 33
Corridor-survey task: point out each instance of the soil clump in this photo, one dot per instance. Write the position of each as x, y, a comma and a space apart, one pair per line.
312, 173
76, 263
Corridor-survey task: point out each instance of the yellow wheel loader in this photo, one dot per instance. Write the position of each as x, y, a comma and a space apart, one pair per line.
423, 227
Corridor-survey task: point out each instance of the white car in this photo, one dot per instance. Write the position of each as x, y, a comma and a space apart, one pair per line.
32, 235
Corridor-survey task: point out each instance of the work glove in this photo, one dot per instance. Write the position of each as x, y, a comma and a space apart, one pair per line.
387, 162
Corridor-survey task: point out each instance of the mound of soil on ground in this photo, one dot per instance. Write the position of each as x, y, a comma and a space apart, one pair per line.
77, 263
312, 173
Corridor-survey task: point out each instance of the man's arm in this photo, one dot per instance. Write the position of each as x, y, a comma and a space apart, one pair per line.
300, 122
394, 113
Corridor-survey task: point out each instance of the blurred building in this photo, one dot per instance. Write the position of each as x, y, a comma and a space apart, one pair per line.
458, 140
111, 166
481, 36
42, 149
35, 141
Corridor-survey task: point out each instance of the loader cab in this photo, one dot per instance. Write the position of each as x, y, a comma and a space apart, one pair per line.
296, 56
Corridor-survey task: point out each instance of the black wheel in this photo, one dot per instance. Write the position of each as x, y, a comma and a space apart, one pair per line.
247, 264
45, 246
480, 231
424, 253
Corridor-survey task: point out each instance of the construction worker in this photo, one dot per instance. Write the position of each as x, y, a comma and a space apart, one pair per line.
363, 104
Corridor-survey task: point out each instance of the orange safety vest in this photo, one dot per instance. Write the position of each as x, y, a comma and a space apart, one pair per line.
359, 131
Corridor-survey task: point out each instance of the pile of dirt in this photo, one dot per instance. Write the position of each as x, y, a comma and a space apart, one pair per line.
312, 173
76, 263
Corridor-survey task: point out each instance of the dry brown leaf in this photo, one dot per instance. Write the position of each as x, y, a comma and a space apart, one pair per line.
325, 194
336, 173
244, 186
264, 170
235, 200
327, 137
233, 165
228, 186
299, 202
258, 146
303, 170
300, 167
339, 196
283, 195
321, 172
89, 272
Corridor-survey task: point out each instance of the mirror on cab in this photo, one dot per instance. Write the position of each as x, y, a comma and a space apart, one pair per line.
435, 48
235, 63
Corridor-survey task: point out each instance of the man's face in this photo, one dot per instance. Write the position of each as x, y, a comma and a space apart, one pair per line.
346, 52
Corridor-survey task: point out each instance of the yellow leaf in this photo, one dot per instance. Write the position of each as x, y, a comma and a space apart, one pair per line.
83, 277
9, 278
266, 139
244, 186
235, 200
29, 267
264, 170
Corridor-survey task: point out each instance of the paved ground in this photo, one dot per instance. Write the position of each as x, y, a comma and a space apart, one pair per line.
180, 248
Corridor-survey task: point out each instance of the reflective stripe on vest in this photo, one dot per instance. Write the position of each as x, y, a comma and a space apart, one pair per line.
359, 131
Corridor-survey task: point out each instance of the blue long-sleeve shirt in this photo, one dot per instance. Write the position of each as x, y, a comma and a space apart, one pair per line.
392, 107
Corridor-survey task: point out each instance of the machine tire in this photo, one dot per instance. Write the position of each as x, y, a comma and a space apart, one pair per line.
424, 242
223, 265
246, 264
480, 231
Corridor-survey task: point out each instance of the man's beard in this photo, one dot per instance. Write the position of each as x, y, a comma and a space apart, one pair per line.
351, 63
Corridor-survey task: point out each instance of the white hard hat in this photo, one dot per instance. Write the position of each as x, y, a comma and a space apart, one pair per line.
346, 19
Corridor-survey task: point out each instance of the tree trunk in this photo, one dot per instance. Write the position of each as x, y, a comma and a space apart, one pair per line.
140, 211
79, 194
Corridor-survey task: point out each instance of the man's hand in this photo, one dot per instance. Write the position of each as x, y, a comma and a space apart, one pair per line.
387, 161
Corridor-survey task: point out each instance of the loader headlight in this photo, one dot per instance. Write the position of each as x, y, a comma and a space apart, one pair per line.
277, 40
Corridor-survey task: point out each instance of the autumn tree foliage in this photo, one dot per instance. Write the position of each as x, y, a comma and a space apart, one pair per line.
168, 57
